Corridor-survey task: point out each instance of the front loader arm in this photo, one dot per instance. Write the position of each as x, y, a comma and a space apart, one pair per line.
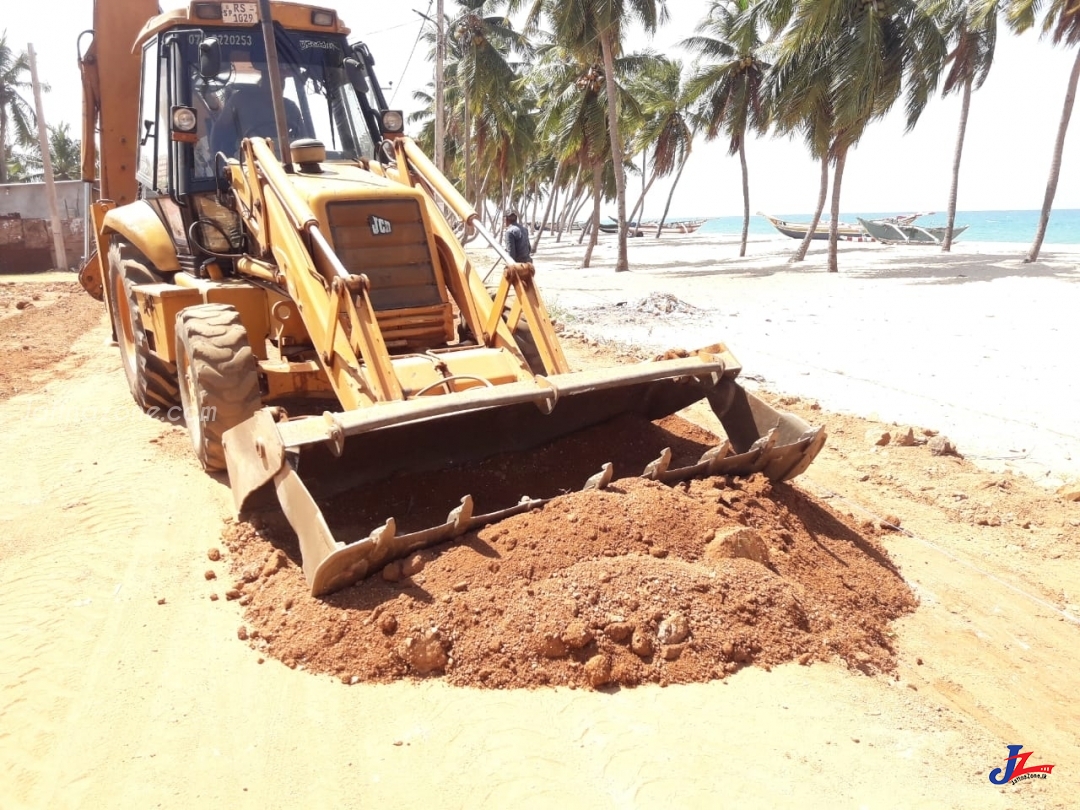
334, 304
463, 279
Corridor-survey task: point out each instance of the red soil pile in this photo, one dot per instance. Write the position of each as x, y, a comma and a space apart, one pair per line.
638, 583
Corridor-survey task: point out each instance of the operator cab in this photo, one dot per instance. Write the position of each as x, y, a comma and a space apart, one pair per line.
204, 90
213, 86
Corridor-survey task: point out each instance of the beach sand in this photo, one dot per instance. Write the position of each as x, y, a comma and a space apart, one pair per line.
124, 685
975, 344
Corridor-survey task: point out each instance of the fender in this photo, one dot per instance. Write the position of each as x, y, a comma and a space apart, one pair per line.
140, 226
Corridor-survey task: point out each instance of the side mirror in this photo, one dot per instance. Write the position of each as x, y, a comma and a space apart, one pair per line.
209, 58
356, 76
362, 53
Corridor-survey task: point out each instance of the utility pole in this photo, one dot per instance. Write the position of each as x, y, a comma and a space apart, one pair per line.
440, 84
60, 255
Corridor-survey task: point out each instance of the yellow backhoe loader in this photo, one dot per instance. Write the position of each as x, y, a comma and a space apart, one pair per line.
284, 265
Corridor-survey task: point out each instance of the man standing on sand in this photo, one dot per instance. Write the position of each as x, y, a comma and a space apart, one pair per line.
517, 240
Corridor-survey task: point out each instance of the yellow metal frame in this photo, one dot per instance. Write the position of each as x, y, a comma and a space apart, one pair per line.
143, 228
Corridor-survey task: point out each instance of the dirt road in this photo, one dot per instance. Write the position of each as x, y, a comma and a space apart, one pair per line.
125, 685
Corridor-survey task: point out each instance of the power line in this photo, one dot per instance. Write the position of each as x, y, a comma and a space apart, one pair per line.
419, 33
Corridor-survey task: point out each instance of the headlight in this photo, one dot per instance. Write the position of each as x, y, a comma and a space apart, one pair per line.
323, 17
184, 119
393, 121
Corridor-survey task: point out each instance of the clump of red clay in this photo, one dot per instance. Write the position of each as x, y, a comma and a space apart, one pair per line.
640, 583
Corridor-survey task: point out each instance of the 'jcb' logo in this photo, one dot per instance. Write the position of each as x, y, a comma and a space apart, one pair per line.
379, 225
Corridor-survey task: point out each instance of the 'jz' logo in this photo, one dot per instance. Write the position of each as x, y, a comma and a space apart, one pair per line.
379, 225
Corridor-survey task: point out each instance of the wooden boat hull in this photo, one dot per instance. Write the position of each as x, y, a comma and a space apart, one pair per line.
650, 228
797, 230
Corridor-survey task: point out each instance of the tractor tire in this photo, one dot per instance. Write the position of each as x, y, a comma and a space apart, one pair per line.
151, 379
219, 377
523, 336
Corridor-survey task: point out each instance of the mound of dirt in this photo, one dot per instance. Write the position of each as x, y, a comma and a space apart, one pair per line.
638, 583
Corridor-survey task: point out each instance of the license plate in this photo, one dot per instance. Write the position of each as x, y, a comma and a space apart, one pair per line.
240, 13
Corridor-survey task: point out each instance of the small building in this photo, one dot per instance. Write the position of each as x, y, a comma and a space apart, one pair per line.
26, 242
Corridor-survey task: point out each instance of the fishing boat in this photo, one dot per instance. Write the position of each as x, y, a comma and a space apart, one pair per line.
902, 230
846, 232
650, 228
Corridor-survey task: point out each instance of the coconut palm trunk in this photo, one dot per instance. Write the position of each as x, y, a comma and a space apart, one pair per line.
553, 199
639, 205
745, 197
823, 193
1055, 164
671, 192
468, 151
3, 148
834, 233
607, 47
598, 190
965, 105
569, 204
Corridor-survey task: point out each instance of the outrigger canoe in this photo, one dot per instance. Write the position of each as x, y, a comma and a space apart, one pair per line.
904, 231
846, 232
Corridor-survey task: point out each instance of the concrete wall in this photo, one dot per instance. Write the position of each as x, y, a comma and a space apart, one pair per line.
29, 201
26, 228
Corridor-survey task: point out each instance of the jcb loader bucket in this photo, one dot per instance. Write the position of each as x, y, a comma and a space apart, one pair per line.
342, 450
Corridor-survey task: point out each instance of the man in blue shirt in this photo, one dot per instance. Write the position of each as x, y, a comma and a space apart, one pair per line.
517, 240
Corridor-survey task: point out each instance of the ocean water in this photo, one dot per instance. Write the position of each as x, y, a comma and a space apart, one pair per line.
983, 226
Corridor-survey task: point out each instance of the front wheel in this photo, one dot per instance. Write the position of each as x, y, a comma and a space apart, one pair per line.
151, 379
219, 378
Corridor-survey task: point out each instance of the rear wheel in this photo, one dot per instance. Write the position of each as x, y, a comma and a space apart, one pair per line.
152, 380
523, 336
219, 378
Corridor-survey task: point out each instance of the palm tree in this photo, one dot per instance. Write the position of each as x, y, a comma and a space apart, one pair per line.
572, 93
479, 45
971, 25
665, 132
878, 49
575, 117
1062, 22
800, 95
64, 152
15, 110
583, 25
729, 84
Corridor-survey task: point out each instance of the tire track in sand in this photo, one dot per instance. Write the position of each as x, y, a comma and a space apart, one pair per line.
71, 576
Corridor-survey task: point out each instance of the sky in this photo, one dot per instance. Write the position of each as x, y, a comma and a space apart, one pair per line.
1011, 127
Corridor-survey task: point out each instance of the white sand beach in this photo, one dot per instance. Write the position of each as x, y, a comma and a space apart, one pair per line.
974, 343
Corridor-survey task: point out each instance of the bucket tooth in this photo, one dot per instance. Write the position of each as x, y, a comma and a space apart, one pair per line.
715, 454
349, 563
750, 462
601, 479
791, 460
526, 504
705, 466
655, 470
461, 516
